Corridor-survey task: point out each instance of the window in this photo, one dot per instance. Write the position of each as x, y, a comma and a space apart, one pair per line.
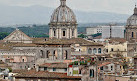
72, 32
94, 50
92, 73
66, 54
48, 52
99, 50
111, 67
89, 50
107, 50
80, 71
23, 60
54, 69
65, 69
101, 68
45, 68
54, 32
132, 34
42, 54
112, 49
54, 52
64, 33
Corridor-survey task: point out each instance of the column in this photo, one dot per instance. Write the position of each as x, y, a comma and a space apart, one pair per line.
50, 33
60, 33
67, 33
70, 33
57, 33
60, 53
45, 53
75, 33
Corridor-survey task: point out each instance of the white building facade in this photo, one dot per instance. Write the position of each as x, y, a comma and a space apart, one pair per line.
113, 31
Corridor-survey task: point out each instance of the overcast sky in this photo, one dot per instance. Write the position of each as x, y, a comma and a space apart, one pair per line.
117, 6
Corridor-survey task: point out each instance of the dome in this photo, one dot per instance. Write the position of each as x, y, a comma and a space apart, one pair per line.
63, 14
132, 20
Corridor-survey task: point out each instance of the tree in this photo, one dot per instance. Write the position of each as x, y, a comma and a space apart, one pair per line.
82, 36
3, 35
98, 34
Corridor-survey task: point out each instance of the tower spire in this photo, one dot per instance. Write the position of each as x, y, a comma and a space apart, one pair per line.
63, 2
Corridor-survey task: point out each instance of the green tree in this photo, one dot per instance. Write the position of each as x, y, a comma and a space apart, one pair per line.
82, 36
95, 35
3, 35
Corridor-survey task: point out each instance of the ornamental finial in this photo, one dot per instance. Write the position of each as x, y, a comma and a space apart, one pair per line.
63, 2
135, 10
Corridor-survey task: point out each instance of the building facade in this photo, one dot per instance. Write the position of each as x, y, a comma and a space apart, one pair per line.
113, 31
93, 30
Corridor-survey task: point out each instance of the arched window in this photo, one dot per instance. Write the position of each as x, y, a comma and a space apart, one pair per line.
54, 31
91, 73
64, 33
89, 50
99, 50
132, 34
94, 50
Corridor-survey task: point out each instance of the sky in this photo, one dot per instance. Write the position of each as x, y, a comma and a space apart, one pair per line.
117, 6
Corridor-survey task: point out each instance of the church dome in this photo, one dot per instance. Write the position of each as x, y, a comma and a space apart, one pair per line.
63, 14
132, 20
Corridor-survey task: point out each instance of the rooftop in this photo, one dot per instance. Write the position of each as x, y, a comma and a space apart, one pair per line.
54, 65
46, 75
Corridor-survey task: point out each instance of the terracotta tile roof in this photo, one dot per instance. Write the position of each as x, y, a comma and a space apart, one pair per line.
45, 74
19, 70
98, 37
54, 65
80, 41
104, 64
37, 40
131, 69
120, 40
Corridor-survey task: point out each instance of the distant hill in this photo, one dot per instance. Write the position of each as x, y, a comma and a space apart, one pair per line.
35, 31
41, 15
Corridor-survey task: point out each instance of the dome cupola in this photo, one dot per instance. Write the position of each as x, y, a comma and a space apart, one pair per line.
63, 23
63, 14
132, 20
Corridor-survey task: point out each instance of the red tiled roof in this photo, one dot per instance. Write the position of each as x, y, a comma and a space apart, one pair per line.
120, 40
104, 64
45, 74
54, 65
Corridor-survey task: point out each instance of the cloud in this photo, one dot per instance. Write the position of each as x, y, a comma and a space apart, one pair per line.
117, 6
